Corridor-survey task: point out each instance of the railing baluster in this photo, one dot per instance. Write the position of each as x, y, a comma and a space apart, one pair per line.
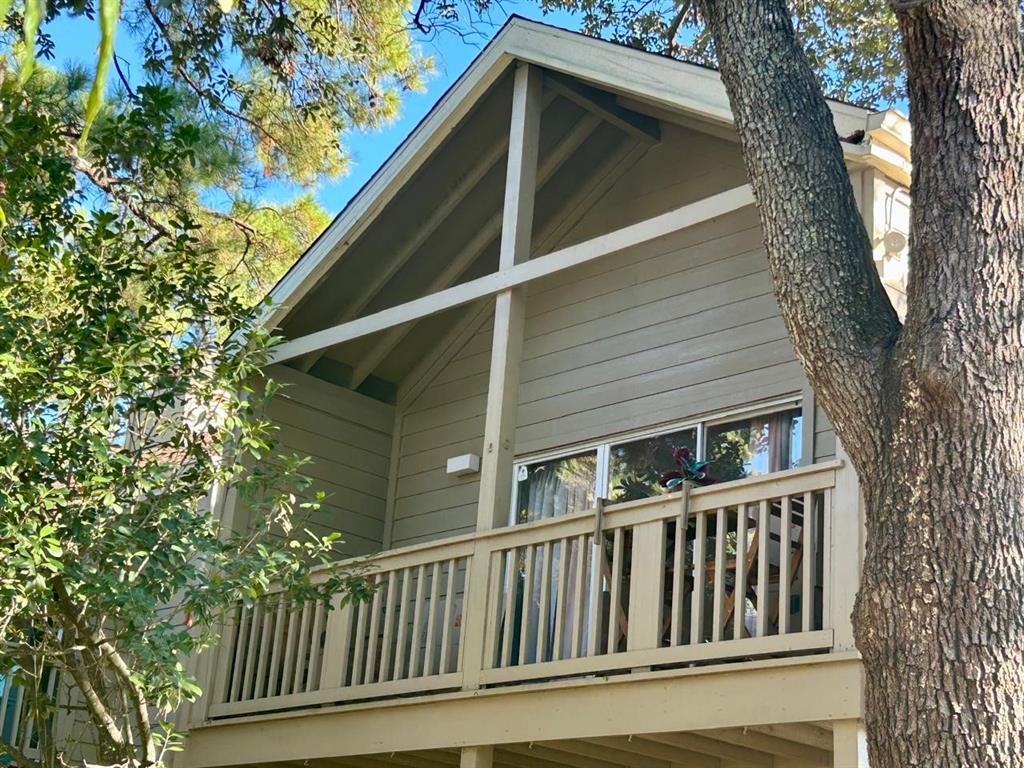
403, 624
544, 611
826, 561
527, 599
384, 672
235, 689
699, 566
615, 602
417, 622
370, 675
435, 596
562, 596
739, 590
315, 648
273, 677
298, 682
764, 533
785, 576
359, 656
596, 575
718, 593
580, 595
808, 558
290, 641
250, 656
678, 580
511, 590
449, 605
265, 637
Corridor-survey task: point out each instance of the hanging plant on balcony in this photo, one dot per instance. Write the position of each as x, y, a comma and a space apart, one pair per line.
689, 469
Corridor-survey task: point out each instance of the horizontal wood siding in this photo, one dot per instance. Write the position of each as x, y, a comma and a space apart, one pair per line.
445, 420
684, 326
348, 438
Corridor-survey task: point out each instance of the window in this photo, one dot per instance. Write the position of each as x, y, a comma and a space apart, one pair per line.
637, 466
735, 446
556, 487
756, 445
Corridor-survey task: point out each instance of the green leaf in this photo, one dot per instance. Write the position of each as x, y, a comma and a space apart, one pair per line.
110, 12
34, 12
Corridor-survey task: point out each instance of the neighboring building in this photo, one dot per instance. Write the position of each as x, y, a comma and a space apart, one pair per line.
557, 279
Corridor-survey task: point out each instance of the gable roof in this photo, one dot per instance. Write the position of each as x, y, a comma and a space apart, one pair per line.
659, 81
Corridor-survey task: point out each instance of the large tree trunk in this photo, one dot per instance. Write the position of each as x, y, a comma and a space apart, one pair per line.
932, 414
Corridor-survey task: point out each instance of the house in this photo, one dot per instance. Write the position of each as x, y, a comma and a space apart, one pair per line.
494, 355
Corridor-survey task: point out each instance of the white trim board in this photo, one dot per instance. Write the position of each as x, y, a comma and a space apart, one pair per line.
603, 245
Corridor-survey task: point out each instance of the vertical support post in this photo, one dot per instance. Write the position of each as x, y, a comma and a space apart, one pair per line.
506, 353
846, 550
477, 757
509, 312
849, 744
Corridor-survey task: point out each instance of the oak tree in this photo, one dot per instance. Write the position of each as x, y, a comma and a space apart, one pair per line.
931, 409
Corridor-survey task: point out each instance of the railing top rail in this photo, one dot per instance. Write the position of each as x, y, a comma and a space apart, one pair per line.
747, 490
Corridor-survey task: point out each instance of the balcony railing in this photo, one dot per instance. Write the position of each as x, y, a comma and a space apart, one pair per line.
731, 571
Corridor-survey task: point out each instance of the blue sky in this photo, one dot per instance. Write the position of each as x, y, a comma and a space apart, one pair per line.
76, 41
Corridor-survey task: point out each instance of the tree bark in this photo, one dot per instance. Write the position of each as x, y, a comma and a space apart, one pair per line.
931, 414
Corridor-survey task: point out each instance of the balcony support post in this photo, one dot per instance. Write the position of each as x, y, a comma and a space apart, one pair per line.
847, 550
509, 312
849, 744
506, 352
477, 757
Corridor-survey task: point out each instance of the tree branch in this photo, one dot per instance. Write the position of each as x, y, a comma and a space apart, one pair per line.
841, 322
97, 708
110, 186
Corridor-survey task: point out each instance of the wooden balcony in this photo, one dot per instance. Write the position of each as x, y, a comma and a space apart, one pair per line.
733, 572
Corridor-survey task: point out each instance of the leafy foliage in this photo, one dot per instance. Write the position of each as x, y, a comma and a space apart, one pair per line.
852, 44
130, 385
260, 93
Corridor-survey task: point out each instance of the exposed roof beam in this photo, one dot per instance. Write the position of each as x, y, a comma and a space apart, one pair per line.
423, 231
696, 743
503, 757
603, 104
804, 733
479, 243
652, 749
456, 338
773, 745
592, 751
583, 198
603, 245
544, 752
419, 760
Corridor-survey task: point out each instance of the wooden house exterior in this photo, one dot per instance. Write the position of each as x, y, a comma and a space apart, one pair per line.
490, 356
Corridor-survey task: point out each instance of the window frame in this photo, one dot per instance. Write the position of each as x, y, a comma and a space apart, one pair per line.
603, 447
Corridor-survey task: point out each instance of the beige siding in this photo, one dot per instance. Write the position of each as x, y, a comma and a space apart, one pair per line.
348, 438
447, 419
